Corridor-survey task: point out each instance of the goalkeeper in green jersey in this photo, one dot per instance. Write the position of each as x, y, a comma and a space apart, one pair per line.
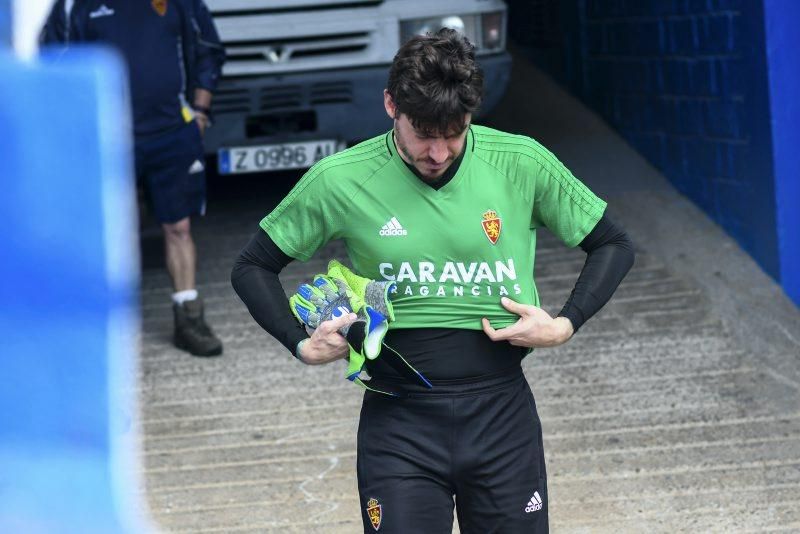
449, 212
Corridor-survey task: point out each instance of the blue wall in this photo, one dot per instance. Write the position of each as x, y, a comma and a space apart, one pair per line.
701, 88
783, 46
685, 83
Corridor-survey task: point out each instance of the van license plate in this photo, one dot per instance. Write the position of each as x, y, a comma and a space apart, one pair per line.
236, 160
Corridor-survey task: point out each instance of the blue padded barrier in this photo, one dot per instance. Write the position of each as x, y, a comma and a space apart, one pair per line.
68, 282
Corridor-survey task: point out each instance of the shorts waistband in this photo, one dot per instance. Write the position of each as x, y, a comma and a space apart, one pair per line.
463, 386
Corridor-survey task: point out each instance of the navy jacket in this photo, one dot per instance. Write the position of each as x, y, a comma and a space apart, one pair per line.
171, 47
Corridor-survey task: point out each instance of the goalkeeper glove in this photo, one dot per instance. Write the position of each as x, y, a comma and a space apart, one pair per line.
331, 296
325, 299
377, 295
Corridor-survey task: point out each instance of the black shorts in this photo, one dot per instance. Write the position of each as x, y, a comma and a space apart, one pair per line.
476, 445
172, 167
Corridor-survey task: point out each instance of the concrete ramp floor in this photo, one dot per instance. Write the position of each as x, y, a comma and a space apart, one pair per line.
675, 409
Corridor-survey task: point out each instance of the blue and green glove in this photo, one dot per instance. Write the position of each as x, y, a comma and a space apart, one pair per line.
331, 295
325, 299
377, 295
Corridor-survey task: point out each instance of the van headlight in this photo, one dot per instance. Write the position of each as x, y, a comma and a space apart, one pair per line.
486, 31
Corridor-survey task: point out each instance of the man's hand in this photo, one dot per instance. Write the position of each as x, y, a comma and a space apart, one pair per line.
534, 328
202, 121
202, 101
326, 344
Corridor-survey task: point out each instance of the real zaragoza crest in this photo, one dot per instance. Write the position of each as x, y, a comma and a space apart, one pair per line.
160, 6
491, 225
374, 512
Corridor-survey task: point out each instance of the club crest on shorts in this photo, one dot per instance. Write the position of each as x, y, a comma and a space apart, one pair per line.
374, 512
160, 6
491, 225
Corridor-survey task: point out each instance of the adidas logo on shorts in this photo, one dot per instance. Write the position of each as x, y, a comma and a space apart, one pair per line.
196, 167
393, 228
535, 504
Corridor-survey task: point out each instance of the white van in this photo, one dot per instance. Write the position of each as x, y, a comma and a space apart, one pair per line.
304, 78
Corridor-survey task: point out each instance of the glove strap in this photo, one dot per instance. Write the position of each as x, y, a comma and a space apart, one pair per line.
375, 390
355, 365
401, 365
354, 369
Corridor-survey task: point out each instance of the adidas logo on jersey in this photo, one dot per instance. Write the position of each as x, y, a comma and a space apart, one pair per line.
393, 228
535, 504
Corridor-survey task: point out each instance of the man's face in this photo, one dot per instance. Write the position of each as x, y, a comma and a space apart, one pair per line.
431, 153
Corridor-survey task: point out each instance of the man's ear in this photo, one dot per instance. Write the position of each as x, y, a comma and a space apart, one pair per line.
389, 105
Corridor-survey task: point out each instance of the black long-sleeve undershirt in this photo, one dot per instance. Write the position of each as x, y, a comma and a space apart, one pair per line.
255, 280
609, 257
439, 353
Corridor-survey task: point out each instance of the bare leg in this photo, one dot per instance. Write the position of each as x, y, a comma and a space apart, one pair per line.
181, 254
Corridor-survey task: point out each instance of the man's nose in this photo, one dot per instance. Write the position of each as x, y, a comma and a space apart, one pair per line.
438, 151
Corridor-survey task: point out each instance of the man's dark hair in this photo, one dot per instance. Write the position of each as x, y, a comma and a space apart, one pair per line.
435, 81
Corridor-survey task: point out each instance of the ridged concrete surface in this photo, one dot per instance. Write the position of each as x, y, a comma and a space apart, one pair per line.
661, 415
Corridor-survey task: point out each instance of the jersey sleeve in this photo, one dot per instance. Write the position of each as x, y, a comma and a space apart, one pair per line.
561, 202
311, 215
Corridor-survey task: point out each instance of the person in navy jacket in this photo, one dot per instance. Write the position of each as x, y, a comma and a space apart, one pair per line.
174, 59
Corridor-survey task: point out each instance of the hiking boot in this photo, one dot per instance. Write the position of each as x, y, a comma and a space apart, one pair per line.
192, 334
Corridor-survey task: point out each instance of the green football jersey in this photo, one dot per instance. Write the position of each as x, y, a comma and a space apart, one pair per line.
454, 251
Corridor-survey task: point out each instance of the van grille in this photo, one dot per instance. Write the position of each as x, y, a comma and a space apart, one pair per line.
268, 55
228, 100
232, 100
290, 96
331, 93
310, 7
263, 37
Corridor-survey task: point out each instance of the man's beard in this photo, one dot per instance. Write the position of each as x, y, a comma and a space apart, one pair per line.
411, 159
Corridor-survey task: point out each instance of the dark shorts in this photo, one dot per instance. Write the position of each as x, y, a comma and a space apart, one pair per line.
477, 446
172, 167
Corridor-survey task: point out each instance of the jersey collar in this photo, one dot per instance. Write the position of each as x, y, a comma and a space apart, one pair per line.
409, 175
